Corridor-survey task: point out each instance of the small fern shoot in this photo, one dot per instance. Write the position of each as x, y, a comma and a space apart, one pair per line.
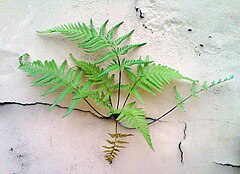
116, 144
103, 85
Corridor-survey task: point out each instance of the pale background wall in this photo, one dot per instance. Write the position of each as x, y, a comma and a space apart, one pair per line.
33, 140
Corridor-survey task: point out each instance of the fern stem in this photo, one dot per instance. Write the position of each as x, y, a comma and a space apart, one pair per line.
173, 108
119, 79
93, 108
116, 126
110, 100
119, 88
125, 102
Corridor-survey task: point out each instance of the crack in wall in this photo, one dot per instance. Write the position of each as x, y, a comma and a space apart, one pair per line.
227, 164
64, 107
181, 151
180, 143
44, 104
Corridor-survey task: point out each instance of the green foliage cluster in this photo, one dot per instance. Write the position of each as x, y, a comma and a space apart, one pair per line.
91, 81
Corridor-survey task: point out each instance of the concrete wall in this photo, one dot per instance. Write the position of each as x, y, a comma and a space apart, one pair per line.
34, 140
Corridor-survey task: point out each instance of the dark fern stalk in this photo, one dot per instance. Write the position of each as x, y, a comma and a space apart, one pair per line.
194, 93
88, 81
119, 81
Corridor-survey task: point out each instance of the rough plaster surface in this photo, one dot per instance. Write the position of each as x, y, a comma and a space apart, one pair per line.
33, 140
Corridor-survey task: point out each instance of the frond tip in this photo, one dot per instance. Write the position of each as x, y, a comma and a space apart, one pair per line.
114, 145
25, 55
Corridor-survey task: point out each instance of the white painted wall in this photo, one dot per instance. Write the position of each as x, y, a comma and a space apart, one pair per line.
33, 140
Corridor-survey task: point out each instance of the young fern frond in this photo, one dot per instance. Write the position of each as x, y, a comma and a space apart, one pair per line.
194, 92
136, 118
206, 87
115, 145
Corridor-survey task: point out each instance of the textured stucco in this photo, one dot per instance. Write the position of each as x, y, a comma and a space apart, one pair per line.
34, 140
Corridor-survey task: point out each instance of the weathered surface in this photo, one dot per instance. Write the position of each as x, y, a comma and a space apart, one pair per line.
200, 39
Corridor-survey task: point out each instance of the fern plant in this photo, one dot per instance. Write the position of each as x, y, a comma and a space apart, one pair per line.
91, 82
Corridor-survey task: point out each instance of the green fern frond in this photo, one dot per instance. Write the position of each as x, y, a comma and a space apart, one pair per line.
154, 77
214, 83
88, 38
206, 87
91, 40
136, 118
49, 74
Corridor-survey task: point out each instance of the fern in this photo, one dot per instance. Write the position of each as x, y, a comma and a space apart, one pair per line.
49, 74
154, 77
91, 41
87, 37
115, 145
194, 92
136, 118
92, 82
